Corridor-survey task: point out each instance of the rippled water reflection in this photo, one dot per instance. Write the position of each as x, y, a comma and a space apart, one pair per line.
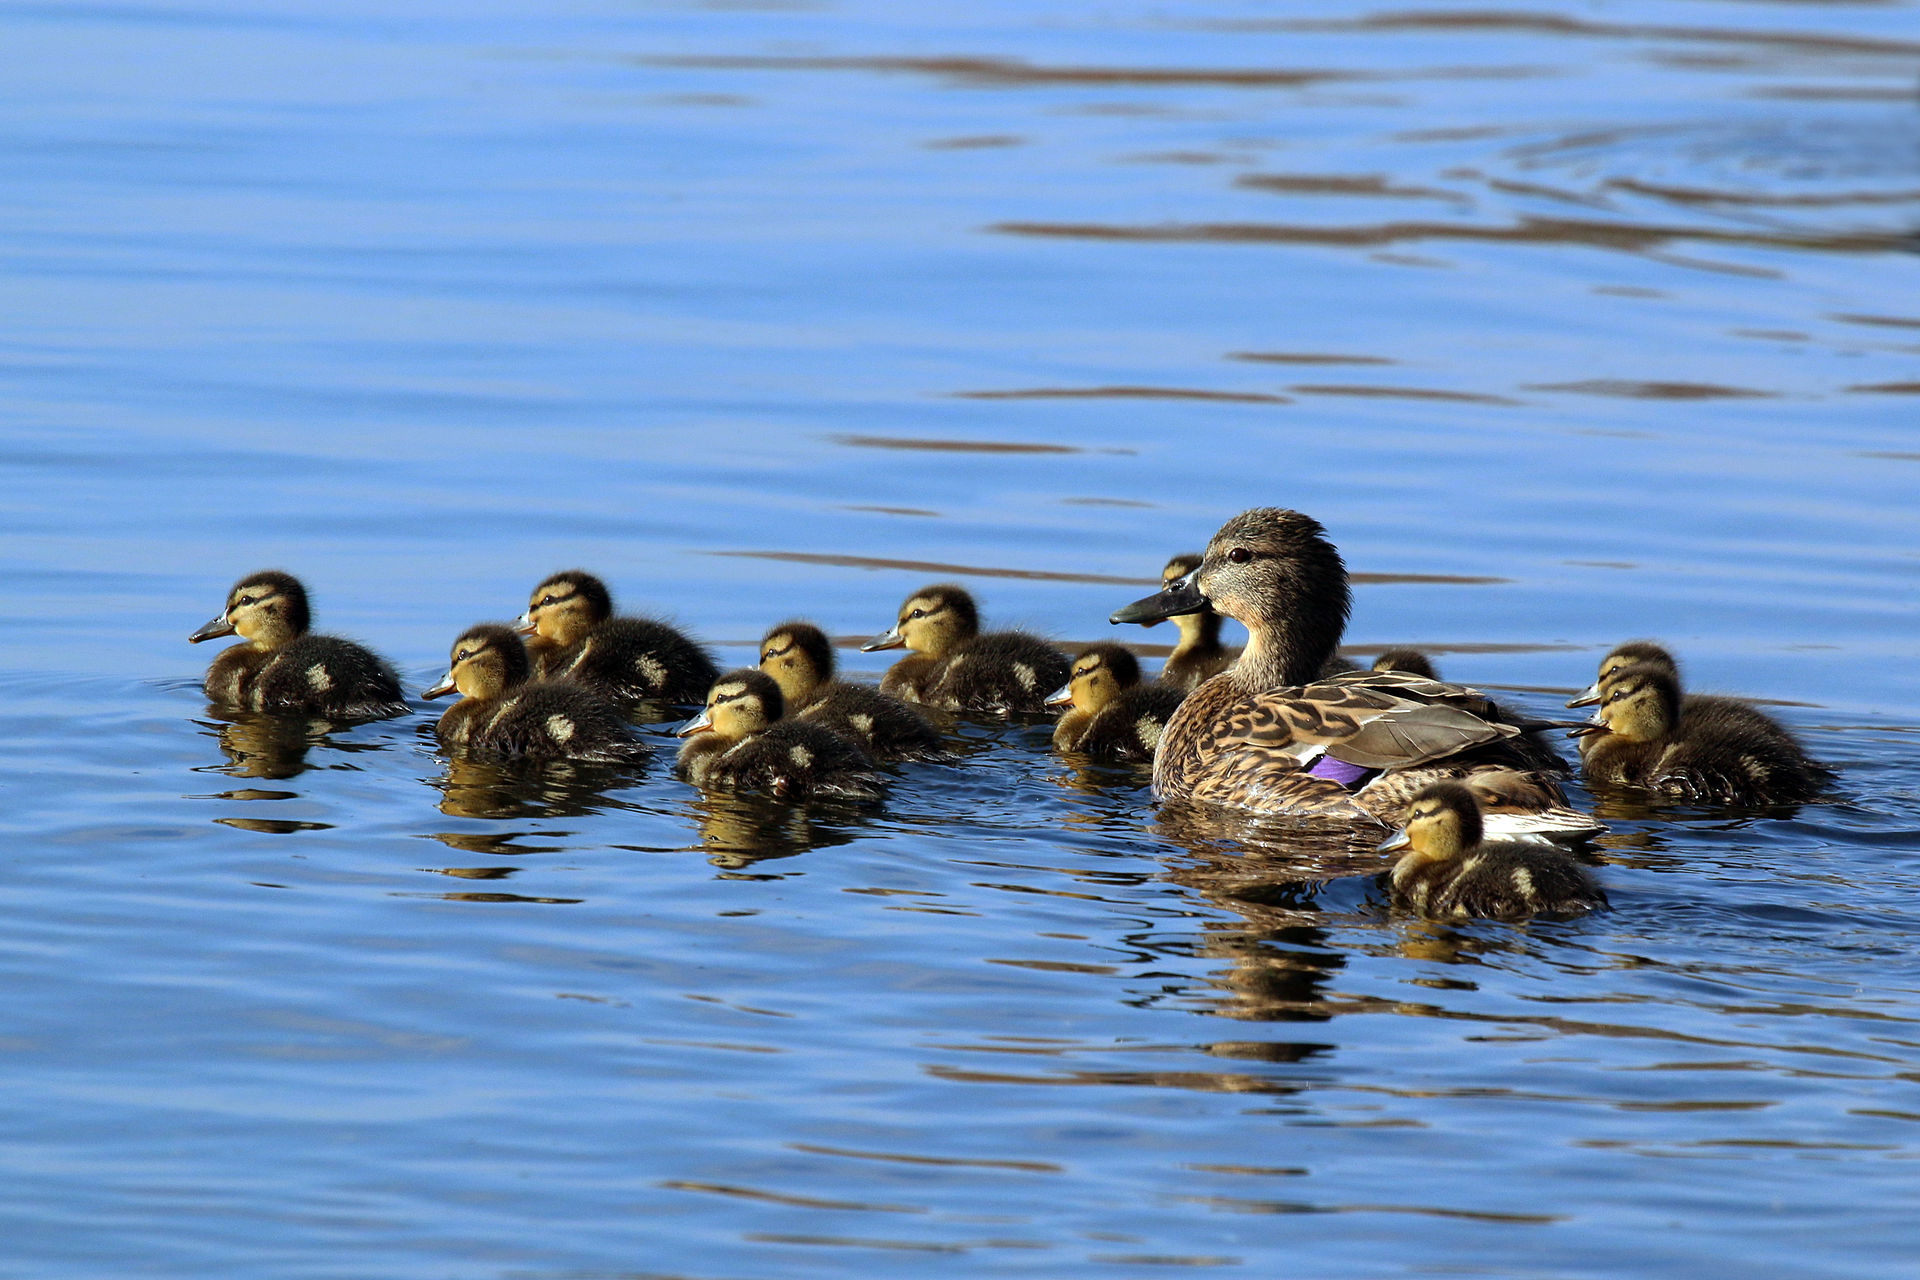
1572, 323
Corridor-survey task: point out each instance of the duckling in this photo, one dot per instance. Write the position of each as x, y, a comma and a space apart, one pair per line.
284, 667
799, 657
1732, 710
573, 633
1199, 655
955, 667
504, 711
1708, 750
1451, 871
1109, 714
1269, 734
740, 742
1411, 661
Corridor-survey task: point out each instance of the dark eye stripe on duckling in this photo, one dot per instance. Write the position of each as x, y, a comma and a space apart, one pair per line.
251, 595
770, 653
729, 693
550, 600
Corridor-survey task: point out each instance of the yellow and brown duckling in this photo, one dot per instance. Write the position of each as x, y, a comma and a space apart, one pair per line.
800, 659
1411, 661
741, 743
282, 666
1269, 734
1199, 656
504, 711
1707, 750
1634, 653
572, 633
955, 667
1108, 714
1451, 871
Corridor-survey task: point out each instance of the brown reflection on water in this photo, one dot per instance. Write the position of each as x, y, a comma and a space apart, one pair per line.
473, 788
1887, 388
1305, 357
1579, 232
1124, 393
1629, 389
1708, 196
976, 142
1400, 393
952, 446
1339, 184
260, 745
738, 830
1878, 322
1016, 72
1560, 25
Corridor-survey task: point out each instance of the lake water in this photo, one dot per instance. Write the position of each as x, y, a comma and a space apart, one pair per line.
1572, 322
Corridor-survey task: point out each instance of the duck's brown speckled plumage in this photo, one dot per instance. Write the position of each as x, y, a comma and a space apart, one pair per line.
1248, 737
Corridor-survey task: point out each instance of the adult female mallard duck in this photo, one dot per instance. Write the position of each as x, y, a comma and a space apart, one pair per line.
503, 711
284, 667
799, 657
1108, 713
741, 743
1452, 871
953, 666
1267, 735
572, 633
1707, 750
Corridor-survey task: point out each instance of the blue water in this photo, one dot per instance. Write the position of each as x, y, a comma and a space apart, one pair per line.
1571, 323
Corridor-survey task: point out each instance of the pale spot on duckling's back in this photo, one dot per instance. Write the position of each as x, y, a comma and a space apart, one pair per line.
318, 679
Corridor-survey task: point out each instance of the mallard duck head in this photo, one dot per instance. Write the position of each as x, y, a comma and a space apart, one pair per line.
1443, 821
1099, 675
799, 657
1274, 571
266, 609
1411, 661
934, 620
1632, 653
1641, 703
565, 607
485, 662
740, 704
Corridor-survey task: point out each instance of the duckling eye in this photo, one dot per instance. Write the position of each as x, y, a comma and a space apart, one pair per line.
244, 600
918, 613
463, 655
1239, 555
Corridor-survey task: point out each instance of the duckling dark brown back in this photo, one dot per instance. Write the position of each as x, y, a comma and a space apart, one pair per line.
281, 666
799, 658
504, 712
1451, 871
573, 634
740, 742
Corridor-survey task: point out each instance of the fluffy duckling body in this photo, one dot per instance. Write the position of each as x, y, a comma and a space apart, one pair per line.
504, 711
1269, 734
284, 667
955, 667
1411, 661
741, 743
1108, 713
800, 659
1709, 750
1452, 871
572, 634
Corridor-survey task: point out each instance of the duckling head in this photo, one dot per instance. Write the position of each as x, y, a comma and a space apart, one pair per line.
1411, 661
740, 704
1099, 675
565, 607
486, 661
1631, 654
934, 620
266, 609
1641, 703
799, 657
1443, 822
1273, 570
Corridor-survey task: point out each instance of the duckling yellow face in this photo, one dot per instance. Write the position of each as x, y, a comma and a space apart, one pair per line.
799, 657
565, 607
484, 663
1098, 676
740, 704
1443, 821
1640, 703
1631, 654
265, 609
934, 622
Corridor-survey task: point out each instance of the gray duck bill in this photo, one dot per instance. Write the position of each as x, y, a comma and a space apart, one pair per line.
1179, 596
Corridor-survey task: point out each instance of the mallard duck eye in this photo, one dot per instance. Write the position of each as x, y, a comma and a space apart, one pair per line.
244, 600
1239, 555
918, 613
463, 655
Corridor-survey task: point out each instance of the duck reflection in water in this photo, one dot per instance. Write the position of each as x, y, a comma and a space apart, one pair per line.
261, 744
489, 788
739, 829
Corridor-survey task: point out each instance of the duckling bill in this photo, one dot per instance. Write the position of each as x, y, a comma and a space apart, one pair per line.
282, 666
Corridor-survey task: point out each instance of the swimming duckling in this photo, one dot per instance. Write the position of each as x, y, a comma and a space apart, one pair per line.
1731, 710
1199, 656
1645, 734
1411, 661
953, 666
503, 711
1109, 714
739, 742
572, 633
1450, 871
799, 657
284, 667
1268, 734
